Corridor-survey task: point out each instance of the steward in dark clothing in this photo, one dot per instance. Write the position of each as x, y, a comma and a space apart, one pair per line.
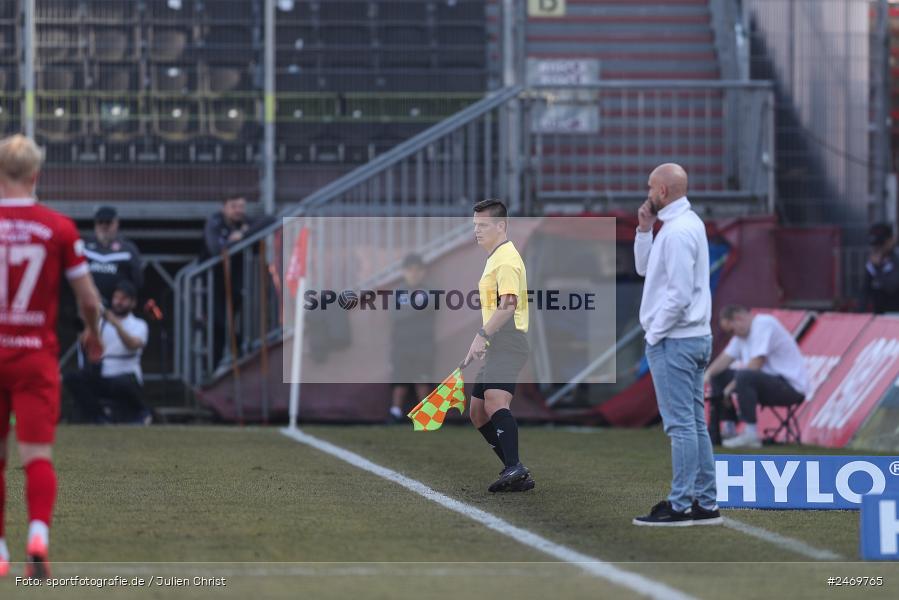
111, 257
881, 288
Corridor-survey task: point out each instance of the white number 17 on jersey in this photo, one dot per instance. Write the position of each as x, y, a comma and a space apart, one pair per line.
13, 256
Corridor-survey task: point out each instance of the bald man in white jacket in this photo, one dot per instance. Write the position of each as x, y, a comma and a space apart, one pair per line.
676, 312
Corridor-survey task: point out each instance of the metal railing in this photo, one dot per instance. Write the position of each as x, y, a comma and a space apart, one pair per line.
445, 169
615, 132
440, 172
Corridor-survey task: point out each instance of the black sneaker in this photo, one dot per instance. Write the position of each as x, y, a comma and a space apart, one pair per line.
662, 515
522, 485
704, 516
509, 476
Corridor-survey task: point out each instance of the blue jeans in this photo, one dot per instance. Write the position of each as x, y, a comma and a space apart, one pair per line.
677, 366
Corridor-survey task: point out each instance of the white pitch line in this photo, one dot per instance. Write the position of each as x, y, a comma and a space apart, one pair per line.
594, 566
788, 543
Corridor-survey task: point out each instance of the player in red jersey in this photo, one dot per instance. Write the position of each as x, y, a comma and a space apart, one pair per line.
37, 248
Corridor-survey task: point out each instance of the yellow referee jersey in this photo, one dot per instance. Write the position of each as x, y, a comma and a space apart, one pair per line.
504, 274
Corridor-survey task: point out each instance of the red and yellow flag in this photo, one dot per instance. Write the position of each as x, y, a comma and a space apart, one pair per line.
429, 414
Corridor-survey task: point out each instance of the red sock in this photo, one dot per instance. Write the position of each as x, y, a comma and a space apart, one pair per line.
2, 494
40, 489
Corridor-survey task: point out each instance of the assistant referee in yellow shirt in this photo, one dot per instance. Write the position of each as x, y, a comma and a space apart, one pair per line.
501, 342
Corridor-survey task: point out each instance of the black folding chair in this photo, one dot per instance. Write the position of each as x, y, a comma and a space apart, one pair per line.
788, 425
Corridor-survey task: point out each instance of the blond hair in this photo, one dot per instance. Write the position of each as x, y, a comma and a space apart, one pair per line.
20, 158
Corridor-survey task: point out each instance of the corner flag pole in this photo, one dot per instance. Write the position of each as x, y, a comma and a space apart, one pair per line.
296, 282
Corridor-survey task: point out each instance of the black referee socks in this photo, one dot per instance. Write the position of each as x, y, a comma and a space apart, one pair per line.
507, 434
489, 433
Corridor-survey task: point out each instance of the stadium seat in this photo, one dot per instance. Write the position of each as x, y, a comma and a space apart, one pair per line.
176, 119
229, 118
220, 80
116, 78
167, 44
116, 119
229, 43
170, 11
174, 78
58, 43
294, 38
57, 78
109, 44
59, 119
290, 60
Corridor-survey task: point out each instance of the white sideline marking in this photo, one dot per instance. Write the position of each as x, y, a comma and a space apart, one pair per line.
592, 565
792, 544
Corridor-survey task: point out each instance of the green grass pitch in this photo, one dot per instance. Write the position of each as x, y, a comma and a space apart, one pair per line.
278, 519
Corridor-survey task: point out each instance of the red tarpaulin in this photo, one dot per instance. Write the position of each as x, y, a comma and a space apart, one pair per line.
863, 375
822, 345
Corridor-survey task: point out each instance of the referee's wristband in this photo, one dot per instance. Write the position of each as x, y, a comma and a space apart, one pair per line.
483, 333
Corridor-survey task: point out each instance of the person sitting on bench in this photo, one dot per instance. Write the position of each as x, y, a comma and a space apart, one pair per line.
771, 373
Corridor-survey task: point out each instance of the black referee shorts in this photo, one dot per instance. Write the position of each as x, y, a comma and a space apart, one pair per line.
505, 357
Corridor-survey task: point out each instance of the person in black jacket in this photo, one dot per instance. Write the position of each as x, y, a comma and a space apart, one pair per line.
881, 288
110, 256
223, 229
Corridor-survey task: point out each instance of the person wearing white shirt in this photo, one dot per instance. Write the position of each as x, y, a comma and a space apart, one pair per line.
119, 379
772, 371
675, 312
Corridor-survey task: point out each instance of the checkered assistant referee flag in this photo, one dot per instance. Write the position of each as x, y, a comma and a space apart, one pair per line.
429, 414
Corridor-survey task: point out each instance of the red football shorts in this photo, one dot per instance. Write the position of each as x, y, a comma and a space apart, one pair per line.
30, 388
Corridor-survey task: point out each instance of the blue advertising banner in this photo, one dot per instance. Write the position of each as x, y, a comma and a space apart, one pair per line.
880, 527
803, 482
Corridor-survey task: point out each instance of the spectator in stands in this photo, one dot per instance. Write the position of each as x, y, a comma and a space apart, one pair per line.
771, 369
881, 288
112, 391
412, 330
226, 227
111, 257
